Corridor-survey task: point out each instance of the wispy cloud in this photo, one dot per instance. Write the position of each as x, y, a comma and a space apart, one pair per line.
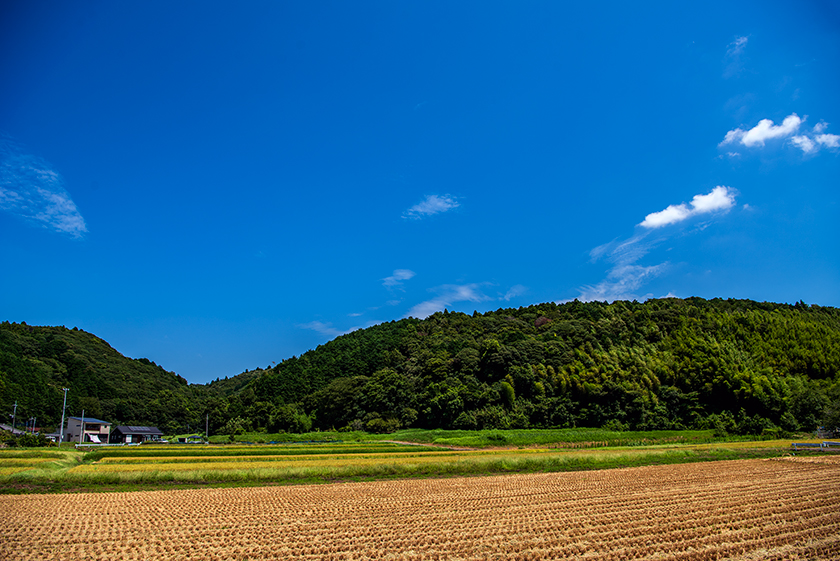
625, 276
447, 295
397, 278
514, 291
736, 47
621, 283
734, 51
326, 328
31, 189
720, 198
431, 205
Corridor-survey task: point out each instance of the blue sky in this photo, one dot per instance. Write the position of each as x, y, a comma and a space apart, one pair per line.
217, 186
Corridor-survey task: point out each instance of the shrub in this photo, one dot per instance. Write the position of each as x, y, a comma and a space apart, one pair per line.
831, 419
378, 425
492, 417
754, 425
496, 436
25, 440
615, 425
465, 421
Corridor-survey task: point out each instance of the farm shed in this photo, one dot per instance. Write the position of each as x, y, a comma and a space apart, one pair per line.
134, 434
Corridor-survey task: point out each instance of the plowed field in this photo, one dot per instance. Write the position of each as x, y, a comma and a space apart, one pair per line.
748, 509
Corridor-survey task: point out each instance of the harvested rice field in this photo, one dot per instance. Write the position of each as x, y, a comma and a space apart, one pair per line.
785, 508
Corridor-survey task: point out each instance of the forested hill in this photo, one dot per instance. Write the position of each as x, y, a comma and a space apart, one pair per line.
37, 362
664, 363
670, 363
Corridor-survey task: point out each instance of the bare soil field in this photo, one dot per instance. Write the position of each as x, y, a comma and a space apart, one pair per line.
786, 508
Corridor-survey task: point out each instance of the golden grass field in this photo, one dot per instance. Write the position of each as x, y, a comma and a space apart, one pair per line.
215, 464
784, 508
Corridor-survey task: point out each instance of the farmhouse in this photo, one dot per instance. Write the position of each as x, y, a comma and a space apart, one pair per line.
133, 434
95, 430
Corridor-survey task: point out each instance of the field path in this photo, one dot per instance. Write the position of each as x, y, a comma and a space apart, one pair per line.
746, 509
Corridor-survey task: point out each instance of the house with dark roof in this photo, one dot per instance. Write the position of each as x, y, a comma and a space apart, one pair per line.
132, 434
87, 429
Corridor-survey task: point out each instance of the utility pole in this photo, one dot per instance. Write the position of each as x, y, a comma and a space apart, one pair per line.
207, 428
82, 433
34, 421
61, 428
14, 413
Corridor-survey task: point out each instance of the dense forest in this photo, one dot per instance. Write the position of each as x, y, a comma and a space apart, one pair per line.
733, 365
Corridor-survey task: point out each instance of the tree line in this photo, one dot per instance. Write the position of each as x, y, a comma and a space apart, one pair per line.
732, 365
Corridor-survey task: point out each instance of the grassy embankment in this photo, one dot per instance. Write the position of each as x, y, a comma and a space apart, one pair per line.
360, 456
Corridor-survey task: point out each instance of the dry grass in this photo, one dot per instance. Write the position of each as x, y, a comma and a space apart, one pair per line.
748, 509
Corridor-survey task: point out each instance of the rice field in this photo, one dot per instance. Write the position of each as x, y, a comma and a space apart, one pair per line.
150, 465
785, 508
15, 461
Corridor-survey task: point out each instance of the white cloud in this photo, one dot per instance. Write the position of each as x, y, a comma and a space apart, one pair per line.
733, 136
803, 142
29, 188
720, 198
399, 275
816, 140
431, 205
673, 213
828, 140
447, 295
763, 131
626, 276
